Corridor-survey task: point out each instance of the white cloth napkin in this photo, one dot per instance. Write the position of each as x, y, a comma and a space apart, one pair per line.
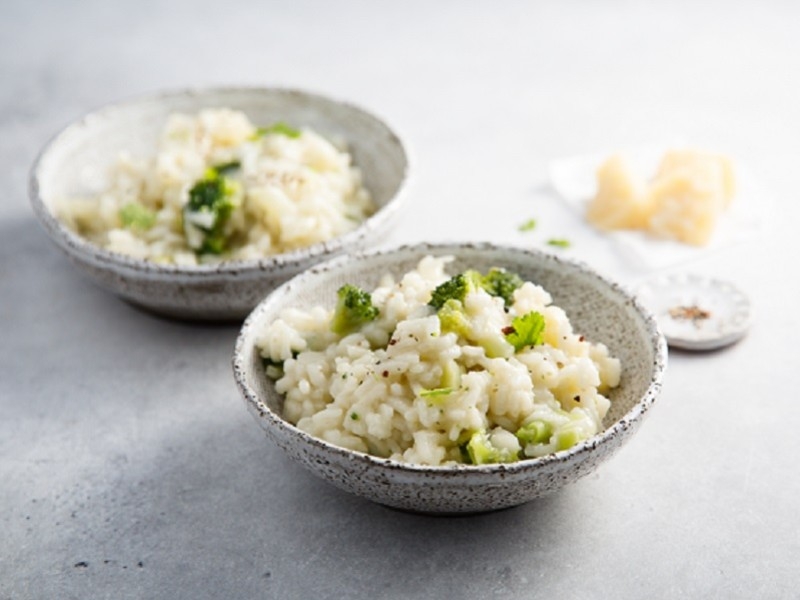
573, 179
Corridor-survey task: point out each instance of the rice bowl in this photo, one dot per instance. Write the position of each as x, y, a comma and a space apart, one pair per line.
73, 163
598, 308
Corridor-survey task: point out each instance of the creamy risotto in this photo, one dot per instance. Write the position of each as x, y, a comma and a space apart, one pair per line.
437, 369
220, 188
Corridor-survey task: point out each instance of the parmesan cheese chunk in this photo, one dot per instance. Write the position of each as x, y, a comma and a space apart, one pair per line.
620, 202
682, 202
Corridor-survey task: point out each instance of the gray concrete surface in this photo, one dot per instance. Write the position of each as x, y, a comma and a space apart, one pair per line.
129, 467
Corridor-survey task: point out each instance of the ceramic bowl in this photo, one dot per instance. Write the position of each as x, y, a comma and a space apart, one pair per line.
75, 160
597, 307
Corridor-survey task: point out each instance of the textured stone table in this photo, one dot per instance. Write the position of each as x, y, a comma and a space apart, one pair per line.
129, 467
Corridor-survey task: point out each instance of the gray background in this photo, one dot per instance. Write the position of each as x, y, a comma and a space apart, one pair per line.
129, 467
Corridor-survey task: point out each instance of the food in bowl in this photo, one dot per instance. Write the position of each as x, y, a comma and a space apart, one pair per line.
683, 201
438, 369
221, 188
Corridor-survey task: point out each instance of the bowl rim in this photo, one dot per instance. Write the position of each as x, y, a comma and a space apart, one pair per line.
489, 471
77, 244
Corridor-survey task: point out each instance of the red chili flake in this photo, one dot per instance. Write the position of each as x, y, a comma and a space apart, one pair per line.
385, 373
508, 330
582, 339
392, 342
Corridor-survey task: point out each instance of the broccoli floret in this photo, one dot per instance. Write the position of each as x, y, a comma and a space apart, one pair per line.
481, 451
567, 438
353, 309
448, 300
211, 202
535, 432
228, 167
501, 283
497, 282
527, 330
452, 318
137, 216
455, 288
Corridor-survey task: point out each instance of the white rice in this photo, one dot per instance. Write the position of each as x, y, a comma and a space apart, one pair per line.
366, 391
296, 191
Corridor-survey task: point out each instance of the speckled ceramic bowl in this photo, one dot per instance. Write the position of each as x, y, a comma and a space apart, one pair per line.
74, 162
597, 307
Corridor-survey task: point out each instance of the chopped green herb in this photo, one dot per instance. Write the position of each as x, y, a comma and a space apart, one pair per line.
528, 225
354, 416
559, 243
279, 128
435, 392
527, 330
136, 216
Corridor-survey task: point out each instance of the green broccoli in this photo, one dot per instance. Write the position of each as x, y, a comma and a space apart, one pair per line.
568, 437
501, 283
481, 451
455, 288
211, 202
452, 318
527, 330
353, 309
137, 216
535, 432
228, 167
497, 282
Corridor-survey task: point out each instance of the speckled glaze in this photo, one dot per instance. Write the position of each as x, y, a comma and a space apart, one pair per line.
75, 160
597, 307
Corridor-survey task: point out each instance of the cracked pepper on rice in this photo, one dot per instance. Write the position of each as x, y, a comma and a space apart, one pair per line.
220, 188
475, 368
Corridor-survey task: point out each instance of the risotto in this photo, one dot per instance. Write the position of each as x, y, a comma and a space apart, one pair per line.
435, 369
220, 188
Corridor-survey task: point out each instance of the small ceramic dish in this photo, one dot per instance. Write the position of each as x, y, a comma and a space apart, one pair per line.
72, 162
597, 307
695, 312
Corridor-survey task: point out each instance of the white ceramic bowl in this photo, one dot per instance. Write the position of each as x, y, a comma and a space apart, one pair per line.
76, 158
597, 307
